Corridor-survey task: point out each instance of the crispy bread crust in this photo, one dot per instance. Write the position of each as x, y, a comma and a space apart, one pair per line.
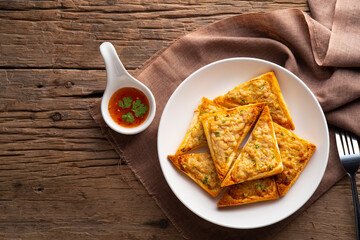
295, 154
195, 137
249, 192
223, 144
200, 168
264, 88
260, 156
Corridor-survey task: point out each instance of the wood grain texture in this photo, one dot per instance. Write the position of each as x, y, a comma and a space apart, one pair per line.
59, 177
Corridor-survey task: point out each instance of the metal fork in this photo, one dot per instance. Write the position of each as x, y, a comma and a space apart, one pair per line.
348, 149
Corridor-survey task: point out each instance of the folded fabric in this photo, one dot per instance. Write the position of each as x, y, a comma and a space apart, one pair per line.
324, 52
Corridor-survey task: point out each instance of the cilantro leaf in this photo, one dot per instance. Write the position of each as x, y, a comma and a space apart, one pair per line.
128, 117
139, 108
126, 103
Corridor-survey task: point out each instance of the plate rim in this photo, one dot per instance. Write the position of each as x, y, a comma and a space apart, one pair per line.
323, 120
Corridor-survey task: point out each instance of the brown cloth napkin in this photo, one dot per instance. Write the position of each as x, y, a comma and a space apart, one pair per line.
317, 50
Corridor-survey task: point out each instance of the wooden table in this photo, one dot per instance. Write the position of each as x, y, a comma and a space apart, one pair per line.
59, 177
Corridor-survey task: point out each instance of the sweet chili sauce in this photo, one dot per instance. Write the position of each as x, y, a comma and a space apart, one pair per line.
120, 106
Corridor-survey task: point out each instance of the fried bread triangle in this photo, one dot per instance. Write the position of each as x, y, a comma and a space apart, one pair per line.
225, 130
260, 156
264, 88
195, 137
295, 154
249, 192
200, 168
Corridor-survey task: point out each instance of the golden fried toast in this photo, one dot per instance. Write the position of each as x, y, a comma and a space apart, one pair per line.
249, 192
225, 130
295, 154
200, 168
195, 137
264, 88
260, 156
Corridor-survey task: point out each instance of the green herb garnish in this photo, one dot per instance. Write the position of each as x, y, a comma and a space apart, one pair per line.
272, 156
205, 181
243, 100
128, 117
199, 138
261, 88
270, 167
256, 146
126, 103
139, 108
259, 186
217, 134
223, 121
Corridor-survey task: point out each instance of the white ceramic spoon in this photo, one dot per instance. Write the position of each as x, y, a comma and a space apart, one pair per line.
117, 77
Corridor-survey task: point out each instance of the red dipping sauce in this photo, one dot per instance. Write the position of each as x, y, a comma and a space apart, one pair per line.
129, 107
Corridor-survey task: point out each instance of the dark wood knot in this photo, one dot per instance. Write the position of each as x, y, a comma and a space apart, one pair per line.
56, 116
38, 189
69, 84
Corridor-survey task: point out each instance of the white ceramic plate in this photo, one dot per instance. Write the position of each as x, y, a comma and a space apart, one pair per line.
216, 79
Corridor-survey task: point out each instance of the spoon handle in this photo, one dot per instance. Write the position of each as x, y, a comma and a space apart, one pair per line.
114, 66
356, 204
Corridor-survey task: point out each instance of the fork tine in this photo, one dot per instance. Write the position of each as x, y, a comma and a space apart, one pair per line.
344, 143
355, 144
349, 142
339, 144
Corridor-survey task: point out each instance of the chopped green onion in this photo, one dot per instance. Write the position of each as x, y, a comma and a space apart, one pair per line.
205, 181
259, 186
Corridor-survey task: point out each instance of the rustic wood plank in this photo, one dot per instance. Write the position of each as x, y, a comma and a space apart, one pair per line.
67, 34
59, 177
330, 217
51, 169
